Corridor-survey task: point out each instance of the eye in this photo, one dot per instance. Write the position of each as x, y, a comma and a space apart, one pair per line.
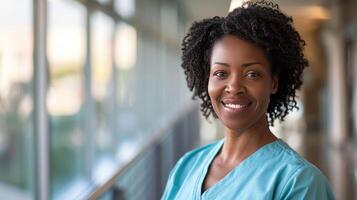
220, 74
252, 74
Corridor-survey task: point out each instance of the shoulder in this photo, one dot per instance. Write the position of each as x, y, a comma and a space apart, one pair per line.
306, 182
302, 178
283, 156
188, 166
198, 153
192, 161
194, 158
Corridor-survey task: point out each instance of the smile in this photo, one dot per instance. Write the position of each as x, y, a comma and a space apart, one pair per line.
235, 107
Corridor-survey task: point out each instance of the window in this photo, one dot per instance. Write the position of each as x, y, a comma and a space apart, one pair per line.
110, 86
16, 100
125, 61
65, 100
103, 89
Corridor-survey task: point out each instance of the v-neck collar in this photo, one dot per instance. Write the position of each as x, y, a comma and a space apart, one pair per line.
208, 161
225, 180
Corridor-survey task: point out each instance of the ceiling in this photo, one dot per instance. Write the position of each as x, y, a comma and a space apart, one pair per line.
199, 9
303, 11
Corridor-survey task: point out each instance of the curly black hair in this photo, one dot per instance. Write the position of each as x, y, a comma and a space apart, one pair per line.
260, 23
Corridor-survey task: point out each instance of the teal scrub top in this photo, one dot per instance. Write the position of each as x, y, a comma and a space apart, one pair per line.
275, 171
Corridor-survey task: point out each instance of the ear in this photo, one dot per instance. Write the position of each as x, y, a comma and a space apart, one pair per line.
275, 84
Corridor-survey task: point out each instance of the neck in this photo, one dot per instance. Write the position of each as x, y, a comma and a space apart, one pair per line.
239, 145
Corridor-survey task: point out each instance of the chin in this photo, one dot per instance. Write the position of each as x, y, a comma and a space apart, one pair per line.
243, 124
238, 127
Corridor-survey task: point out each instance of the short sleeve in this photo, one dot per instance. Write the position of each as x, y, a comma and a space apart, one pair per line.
306, 183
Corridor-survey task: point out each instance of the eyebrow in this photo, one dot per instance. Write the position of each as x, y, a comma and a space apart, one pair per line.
243, 65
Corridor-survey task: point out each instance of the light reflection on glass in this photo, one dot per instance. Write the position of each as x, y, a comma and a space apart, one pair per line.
126, 42
127, 75
125, 8
63, 97
125, 59
66, 55
102, 43
101, 54
66, 51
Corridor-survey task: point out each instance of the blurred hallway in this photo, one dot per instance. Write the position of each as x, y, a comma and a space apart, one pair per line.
94, 103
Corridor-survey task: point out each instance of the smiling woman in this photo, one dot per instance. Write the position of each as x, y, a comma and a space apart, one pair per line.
246, 68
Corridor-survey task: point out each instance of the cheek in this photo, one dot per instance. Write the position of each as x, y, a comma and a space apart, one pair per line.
265, 99
262, 94
213, 89
213, 93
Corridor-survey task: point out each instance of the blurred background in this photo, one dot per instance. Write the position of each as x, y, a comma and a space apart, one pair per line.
94, 104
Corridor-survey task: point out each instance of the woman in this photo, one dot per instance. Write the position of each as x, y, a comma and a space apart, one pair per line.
245, 68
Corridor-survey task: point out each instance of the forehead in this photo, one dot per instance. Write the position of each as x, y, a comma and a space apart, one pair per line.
232, 49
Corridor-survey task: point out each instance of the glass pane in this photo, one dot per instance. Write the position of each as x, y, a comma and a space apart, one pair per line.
16, 100
102, 87
148, 84
66, 55
125, 61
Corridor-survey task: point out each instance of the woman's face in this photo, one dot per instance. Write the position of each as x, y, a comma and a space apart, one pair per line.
240, 83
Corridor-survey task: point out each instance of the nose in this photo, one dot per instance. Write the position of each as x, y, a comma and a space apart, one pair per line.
235, 85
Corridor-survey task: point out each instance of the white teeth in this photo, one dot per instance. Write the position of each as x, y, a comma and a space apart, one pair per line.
234, 105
